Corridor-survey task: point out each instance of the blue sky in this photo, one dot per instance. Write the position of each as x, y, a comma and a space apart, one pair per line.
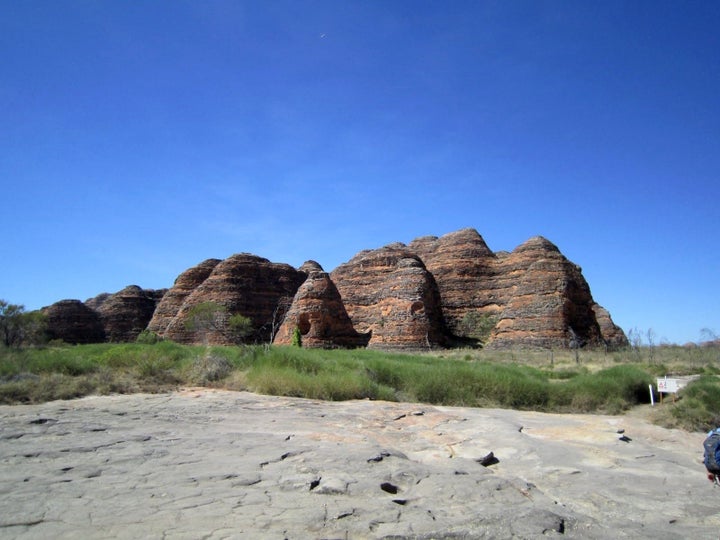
140, 138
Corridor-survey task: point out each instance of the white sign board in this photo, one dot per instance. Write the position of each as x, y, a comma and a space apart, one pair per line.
667, 386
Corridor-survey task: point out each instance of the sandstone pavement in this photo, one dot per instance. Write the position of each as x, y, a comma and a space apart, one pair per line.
202, 463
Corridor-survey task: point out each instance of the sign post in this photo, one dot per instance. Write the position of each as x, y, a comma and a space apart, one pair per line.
667, 386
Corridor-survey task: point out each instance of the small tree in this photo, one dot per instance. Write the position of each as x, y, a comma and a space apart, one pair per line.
650, 334
477, 325
240, 327
707, 334
296, 338
33, 326
278, 316
636, 340
575, 343
208, 317
18, 327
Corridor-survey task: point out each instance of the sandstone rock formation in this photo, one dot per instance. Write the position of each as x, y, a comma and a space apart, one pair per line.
73, 322
318, 312
390, 293
174, 298
126, 313
434, 292
551, 304
243, 284
96, 301
533, 296
466, 274
612, 334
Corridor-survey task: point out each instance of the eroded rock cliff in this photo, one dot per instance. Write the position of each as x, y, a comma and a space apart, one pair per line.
465, 271
174, 298
243, 284
433, 292
126, 313
550, 304
73, 322
318, 312
389, 293
612, 334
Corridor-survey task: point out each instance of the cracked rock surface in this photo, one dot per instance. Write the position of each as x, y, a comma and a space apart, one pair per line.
216, 464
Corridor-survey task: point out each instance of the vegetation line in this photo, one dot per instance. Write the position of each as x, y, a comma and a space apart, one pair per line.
531, 380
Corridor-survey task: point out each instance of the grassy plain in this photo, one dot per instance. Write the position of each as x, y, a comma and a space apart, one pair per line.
551, 381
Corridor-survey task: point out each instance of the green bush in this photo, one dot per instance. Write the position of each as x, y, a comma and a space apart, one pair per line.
210, 368
296, 338
20, 328
617, 387
147, 337
565, 374
699, 408
477, 325
45, 388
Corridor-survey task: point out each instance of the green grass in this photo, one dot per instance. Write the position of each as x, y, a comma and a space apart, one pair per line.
612, 390
531, 380
699, 408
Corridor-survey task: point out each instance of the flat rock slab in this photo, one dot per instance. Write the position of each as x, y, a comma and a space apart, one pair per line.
214, 464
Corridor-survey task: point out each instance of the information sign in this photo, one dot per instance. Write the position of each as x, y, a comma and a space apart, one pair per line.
667, 386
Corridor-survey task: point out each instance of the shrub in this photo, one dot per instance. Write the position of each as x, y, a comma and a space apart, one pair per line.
699, 409
210, 368
296, 338
46, 388
147, 337
19, 327
477, 325
240, 327
207, 318
333, 386
617, 387
566, 373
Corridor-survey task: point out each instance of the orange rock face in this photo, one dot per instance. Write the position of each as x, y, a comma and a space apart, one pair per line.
389, 293
244, 285
126, 313
535, 296
550, 305
317, 311
174, 298
612, 334
465, 271
434, 292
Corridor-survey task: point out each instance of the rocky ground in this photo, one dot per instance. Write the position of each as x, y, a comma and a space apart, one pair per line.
216, 464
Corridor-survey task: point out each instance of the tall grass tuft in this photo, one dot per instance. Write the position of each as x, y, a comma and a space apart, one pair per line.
611, 390
699, 409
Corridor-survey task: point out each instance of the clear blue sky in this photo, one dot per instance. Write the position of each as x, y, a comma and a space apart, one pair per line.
140, 138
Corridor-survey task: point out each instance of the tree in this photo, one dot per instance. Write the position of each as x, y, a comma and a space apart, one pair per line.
240, 327
650, 334
477, 325
575, 343
10, 322
208, 317
296, 338
278, 316
19, 327
635, 339
707, 334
